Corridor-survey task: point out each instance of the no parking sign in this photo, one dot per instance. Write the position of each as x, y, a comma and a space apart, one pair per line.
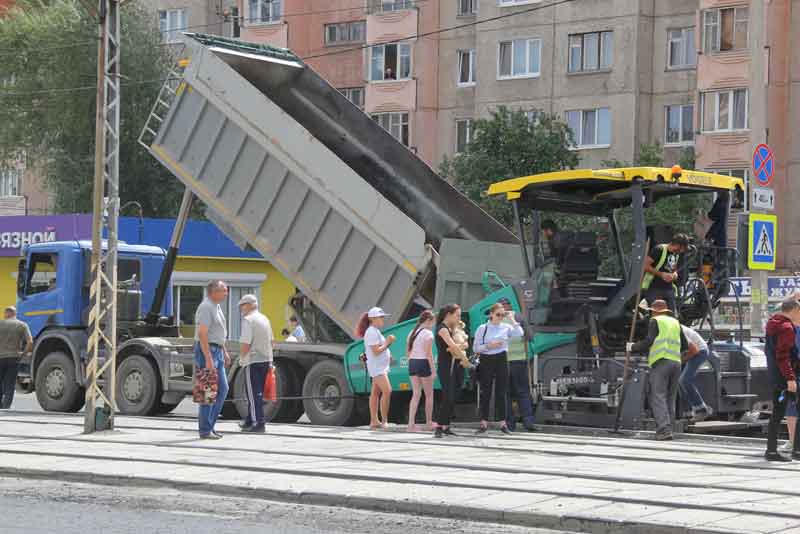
763, 165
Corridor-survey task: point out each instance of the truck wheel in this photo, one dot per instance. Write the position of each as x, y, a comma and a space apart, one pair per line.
138, 386
281, 411
329, 399
57, 390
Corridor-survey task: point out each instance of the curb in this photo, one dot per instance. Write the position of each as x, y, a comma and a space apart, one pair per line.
566, 522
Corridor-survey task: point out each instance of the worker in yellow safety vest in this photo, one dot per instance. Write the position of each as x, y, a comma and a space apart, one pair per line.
664, 343
661, 270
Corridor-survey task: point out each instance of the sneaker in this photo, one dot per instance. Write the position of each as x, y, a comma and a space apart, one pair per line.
210, 436
438, 433
255, 429
217, 434
701, 415
243, 425
786, 447
505, 430
449, 432
664, 436
776, 457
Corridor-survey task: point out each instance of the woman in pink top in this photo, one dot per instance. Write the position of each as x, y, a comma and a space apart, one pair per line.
421, 369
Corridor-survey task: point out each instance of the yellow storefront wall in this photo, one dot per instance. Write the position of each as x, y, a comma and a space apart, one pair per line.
276, 290
8, 281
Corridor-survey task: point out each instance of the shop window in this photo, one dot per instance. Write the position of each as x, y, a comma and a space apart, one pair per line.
187, 297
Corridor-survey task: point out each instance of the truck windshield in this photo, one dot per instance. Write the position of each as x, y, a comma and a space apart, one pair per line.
43, 269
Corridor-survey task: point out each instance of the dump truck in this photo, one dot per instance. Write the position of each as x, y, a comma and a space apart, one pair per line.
285, 164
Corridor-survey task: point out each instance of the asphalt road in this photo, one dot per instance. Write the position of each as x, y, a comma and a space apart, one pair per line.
43, 506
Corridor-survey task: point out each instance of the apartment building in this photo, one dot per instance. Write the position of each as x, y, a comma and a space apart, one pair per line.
173, 17
620, 72
368, 50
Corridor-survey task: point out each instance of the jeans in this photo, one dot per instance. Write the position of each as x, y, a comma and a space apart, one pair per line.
8, 381
686, 382
254, 375
664, 376
451, 377
519, 388
209, 413
493, 370
775, 420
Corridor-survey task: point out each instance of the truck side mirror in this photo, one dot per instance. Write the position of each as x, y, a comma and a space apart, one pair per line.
22, 272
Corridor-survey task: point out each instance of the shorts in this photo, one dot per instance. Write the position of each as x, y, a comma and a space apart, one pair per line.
419, 367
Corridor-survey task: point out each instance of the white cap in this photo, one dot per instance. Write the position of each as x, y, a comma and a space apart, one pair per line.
248, 299
376, 312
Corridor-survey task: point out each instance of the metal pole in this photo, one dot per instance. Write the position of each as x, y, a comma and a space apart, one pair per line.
523, 243
103, 295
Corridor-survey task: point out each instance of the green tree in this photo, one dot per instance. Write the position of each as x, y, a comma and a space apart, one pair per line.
48, 58
509, 145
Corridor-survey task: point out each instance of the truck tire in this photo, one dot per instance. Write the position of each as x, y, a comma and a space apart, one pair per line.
281, 411
328, 401
57, 389
138, 386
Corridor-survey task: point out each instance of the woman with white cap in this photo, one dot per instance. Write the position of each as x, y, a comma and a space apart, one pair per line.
379, 357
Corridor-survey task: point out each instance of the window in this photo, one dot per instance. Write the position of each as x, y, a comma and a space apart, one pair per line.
172, 22
10, 179
390, 62
354, 95
394, 123
382, 6
463, 134
187, 296
466, 67
591, 127
725, 29
679, 124
591, 51
233, 27
680, 48
520, 58
725, 110
346, 32
533, 116
467, 7
42, 273
264, 11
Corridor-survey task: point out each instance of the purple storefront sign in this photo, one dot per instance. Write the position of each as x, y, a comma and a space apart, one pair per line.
17, 231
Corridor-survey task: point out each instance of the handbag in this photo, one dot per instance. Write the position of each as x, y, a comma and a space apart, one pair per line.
270, 386
206, 386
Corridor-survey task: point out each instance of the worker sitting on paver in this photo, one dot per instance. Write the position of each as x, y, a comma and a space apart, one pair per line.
665, 342
783, 365
661, 270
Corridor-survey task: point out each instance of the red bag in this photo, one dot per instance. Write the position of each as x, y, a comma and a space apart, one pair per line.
270, 388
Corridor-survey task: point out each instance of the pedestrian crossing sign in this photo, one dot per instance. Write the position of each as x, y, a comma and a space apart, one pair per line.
762, 241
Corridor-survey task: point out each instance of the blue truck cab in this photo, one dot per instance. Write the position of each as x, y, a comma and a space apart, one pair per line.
53, 283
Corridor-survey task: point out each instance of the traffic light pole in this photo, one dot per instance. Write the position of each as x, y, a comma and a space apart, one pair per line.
102, 346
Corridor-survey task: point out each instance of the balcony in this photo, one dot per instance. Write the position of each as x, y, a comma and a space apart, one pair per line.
391, 96
391, 25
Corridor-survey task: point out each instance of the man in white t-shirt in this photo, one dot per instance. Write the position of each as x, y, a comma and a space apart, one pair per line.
700, 410
255, 358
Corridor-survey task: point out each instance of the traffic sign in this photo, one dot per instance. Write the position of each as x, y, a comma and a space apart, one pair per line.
763, 165
762, 241
763, 198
